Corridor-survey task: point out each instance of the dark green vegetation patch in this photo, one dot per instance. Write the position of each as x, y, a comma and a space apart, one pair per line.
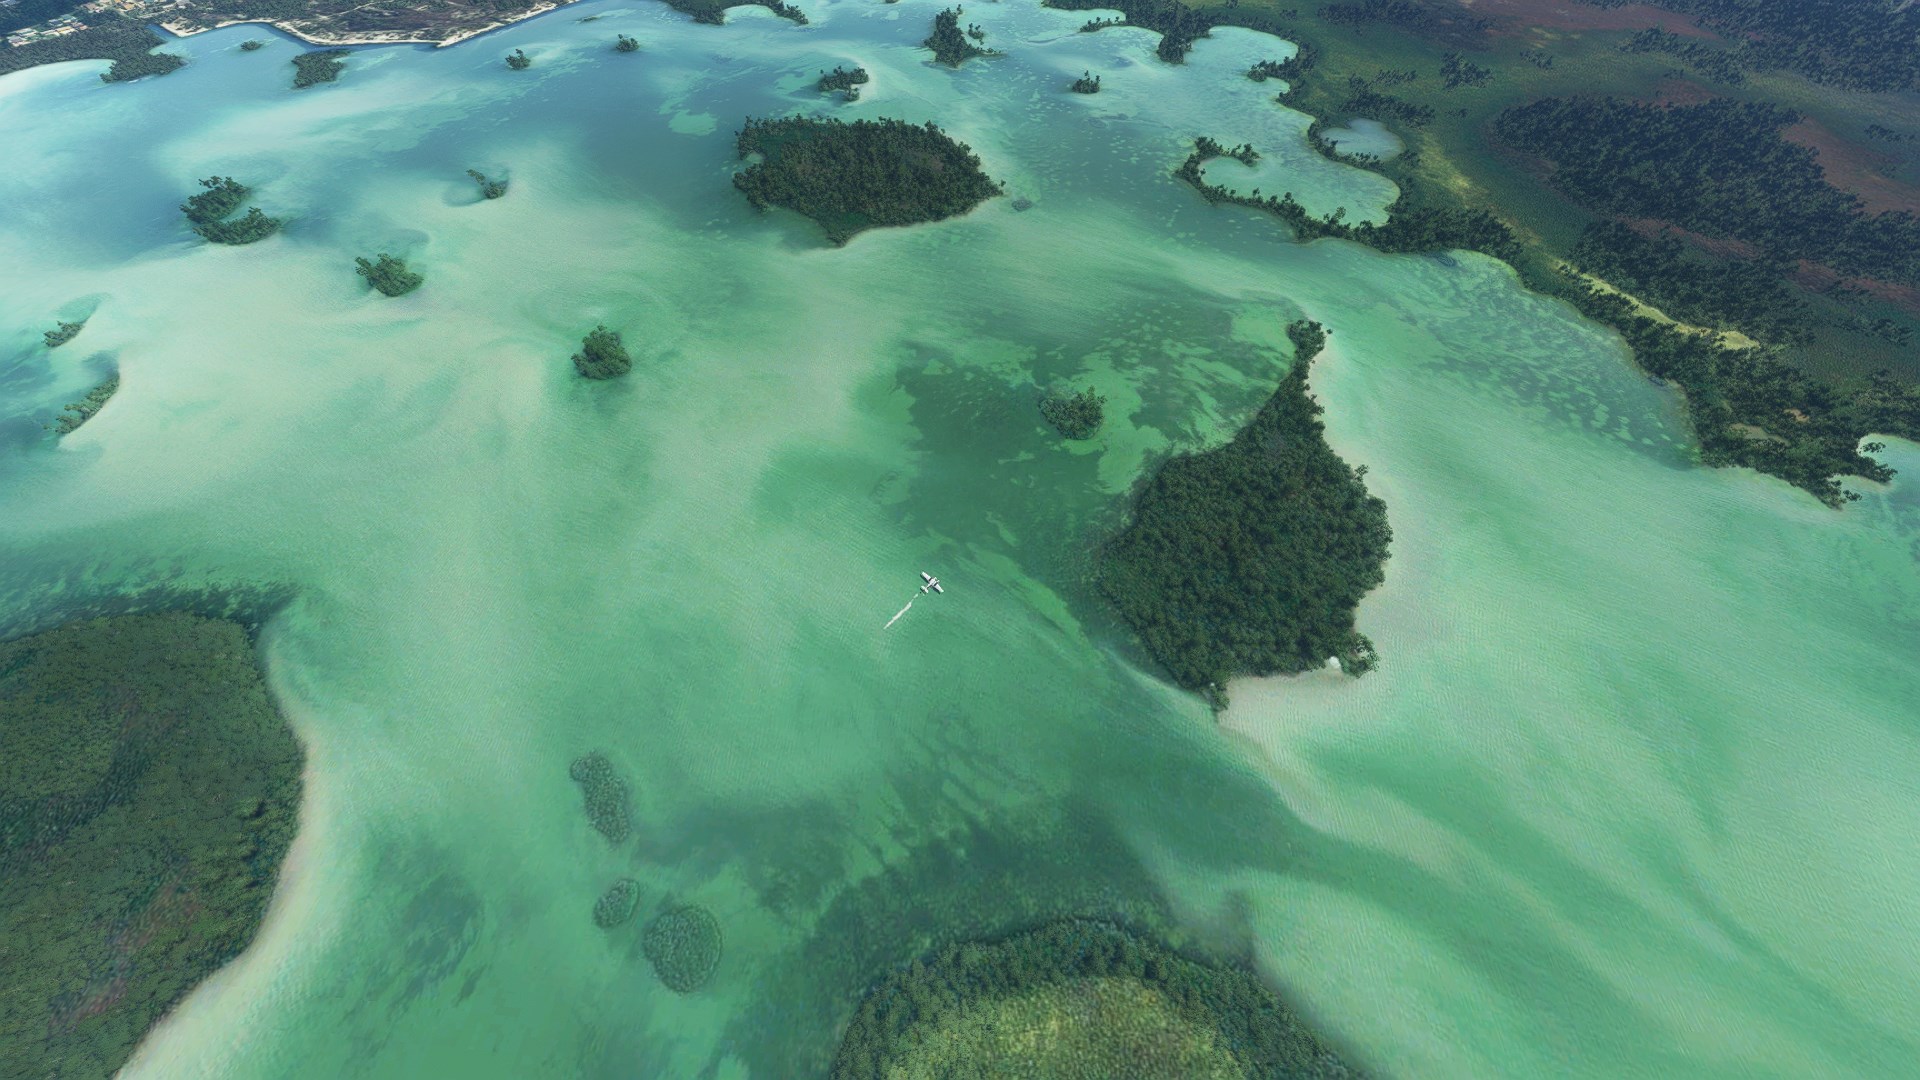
1077, 1000
715, 11
951, 45
1087, 83
683, 945
252, 45
1250, 559
1076, 416
605, 792
863, 175
602, 355
847, 82
63, 333
317, 66
518, 60
617, 904
489, 188
389, 275
127, 43
223, 195
624, 44
79, 412
148, 791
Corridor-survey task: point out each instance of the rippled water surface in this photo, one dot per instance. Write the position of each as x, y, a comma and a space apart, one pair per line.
1631, 793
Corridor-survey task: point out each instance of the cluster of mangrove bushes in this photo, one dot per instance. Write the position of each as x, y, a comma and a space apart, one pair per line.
208, 210
1853, 44
602, 356
388, 275
683, 945
847, 82
1087, 83
1250, 559
147, 796
317, 66
1078, 999
518, 60
714, 12
624, 44
75, 413
63, 332
870, 173
1075, 416
950, 46
1719, 168
489, 188
604, 792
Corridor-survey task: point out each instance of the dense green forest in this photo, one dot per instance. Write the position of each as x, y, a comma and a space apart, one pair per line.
317, 66
1713, 62
148, 790
847, 82
73, 414
1075, 416
714, 11
1015, 1007
1179, 26
863, 175
223, 195
1743, 294
389, 275
63, 333
251, 226
1719, 168
1250, 558
950, 45
683, 944
605, 795
489, 188
602, 356
128, 44
1853, 44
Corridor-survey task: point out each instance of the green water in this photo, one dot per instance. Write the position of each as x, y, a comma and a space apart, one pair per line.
1630, 794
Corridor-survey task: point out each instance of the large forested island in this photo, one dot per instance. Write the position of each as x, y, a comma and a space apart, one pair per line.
1249, 559
863, 175
148, 790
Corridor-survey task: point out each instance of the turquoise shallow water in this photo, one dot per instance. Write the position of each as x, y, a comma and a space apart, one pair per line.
1630, 794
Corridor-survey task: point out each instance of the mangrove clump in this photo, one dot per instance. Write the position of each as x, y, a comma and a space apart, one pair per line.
623, 43
683, 945
605, 792
617, 904
1250, 559
1078, 999
148, 792
1087, 83
847, 82
317, 66
79, 412
1076, 416
252, 45
491, 189
63, 333
602, 356
863, 175
518, 60
950, 46
207, 210
389, 275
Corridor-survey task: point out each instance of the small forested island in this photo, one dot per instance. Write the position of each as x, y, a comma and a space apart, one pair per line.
148, 793
518, 60
1075, 416
389, 275
715, 11
863, 175
491, 189
950, 46
604, 792
623, 43
683, 945
602, 356
63, 333
252, 45
223, 195
843, 80
1250, 559
1087, 83
73, 414
1079, 999
317, 66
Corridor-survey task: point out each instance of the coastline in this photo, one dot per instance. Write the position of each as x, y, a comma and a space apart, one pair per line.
396, 37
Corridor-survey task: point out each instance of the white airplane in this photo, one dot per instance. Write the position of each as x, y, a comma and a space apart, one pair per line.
931, 583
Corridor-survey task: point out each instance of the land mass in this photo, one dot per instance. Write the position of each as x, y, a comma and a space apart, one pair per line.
858, 176
148, 792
